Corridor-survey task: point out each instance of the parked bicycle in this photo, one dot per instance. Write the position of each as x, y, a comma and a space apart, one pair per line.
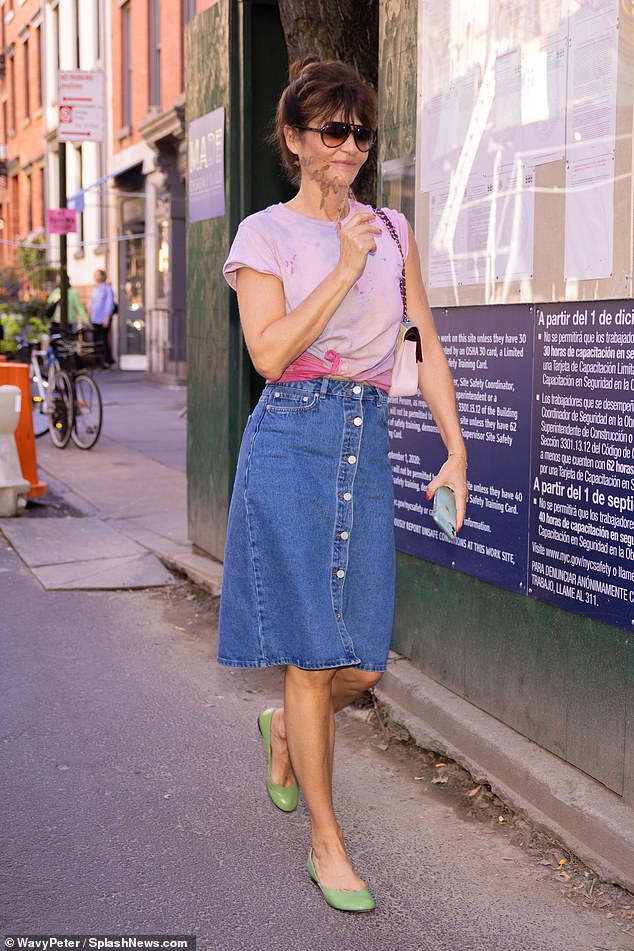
67, 401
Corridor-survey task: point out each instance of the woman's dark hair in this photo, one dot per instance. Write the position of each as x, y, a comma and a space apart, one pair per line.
317, 91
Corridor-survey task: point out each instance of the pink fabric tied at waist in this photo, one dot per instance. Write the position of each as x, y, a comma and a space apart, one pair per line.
334, 358
306, 367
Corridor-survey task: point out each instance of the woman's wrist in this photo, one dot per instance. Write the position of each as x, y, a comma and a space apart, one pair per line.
460, 453
344, 276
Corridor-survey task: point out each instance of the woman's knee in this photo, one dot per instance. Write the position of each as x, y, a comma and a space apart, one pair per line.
370, 678
314, 680
363, 680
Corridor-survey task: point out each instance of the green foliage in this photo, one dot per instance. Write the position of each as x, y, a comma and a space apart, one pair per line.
18, 319
32, 264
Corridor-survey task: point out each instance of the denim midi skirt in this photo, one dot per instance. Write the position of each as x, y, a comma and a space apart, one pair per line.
309, 568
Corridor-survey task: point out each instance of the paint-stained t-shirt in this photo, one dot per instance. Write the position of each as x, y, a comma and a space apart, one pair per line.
358, 341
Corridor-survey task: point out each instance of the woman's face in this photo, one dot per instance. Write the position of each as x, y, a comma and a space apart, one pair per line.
333, 169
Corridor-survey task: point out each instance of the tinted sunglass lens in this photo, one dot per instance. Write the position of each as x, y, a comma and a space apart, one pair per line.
334, 133
363, 138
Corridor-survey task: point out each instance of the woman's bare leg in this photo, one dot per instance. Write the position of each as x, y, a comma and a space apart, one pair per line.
308, 720
309, 716
348, 684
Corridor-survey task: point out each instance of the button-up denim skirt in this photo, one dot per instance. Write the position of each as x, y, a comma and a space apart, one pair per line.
309, 566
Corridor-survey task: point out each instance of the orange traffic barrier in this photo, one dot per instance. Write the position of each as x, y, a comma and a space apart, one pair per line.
17, 374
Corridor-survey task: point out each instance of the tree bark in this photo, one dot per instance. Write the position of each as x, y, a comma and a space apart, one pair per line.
347, 30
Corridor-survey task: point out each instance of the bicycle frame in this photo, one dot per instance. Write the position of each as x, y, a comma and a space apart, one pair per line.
39, 373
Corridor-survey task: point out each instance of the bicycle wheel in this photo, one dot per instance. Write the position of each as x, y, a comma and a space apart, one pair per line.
88, 412
38, 403
59, 398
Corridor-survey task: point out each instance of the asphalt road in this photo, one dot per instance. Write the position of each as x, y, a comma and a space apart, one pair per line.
134, 801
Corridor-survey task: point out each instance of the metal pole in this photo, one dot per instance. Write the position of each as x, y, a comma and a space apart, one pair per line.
63, 243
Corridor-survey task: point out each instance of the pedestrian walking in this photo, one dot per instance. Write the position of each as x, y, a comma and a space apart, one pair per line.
101, 311
77, 316
309, 567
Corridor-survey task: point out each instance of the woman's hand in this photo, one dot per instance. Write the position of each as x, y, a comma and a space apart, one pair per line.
454, 474
357, 241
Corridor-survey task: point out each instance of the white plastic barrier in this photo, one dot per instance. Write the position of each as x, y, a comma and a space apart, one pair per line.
13, 486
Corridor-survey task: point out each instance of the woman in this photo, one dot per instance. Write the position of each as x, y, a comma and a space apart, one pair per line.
77, 316
309, 562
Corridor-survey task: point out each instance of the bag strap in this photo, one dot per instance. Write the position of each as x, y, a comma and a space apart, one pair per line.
393, 232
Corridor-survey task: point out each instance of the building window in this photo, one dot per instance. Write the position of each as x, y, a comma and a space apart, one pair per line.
27, 84
77, 33
80, 216
15, 208
55, 56
38, 54
155, 53
163, 284
98, 16
126, 66
12, 119
29, 203
42, 195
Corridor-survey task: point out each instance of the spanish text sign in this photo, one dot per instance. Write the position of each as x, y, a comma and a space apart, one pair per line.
582, 463
546, 401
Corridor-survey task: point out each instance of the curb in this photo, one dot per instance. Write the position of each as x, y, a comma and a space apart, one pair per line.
558, 798
200, 569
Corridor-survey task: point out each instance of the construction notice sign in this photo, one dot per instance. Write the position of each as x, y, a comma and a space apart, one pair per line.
81, 105
61, 220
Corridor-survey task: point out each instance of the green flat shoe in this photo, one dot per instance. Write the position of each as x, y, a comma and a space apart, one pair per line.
284, 797
360, 900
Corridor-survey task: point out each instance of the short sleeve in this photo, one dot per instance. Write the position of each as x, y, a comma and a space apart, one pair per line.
252, 247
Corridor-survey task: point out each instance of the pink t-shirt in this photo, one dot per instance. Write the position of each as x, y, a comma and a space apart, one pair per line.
358, 341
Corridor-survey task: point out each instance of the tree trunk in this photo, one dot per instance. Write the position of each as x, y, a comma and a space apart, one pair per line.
347, 30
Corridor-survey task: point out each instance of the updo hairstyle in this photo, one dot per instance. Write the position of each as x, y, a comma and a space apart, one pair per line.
319, 90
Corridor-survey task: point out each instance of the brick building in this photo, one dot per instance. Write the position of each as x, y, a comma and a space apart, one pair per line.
22, 153
148, 166
129, 190
74, 38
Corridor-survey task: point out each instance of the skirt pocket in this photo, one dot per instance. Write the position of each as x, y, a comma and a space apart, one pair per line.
283, 401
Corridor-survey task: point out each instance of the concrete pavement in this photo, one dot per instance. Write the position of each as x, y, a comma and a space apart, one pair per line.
131, 490
134, 801
133, 485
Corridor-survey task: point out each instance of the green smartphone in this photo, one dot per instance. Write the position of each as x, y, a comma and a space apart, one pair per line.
444, 511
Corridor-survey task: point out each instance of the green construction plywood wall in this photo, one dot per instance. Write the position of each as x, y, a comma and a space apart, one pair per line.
558, 678
214, 346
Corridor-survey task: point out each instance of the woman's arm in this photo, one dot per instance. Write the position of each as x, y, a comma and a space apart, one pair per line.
436, 385
274, 338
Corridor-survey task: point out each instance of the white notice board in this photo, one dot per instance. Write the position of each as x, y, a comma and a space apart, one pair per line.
523, 124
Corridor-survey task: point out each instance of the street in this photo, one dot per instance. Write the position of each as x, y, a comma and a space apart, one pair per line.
135, 796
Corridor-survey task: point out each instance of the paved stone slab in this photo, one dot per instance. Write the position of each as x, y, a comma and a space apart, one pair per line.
138, 571
170, 526
83, 553
57, 541
161, 546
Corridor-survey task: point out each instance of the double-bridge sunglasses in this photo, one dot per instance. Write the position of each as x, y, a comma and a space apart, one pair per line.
334, 134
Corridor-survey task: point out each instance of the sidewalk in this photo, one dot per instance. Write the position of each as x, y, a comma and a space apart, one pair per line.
128, 525
129, 494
